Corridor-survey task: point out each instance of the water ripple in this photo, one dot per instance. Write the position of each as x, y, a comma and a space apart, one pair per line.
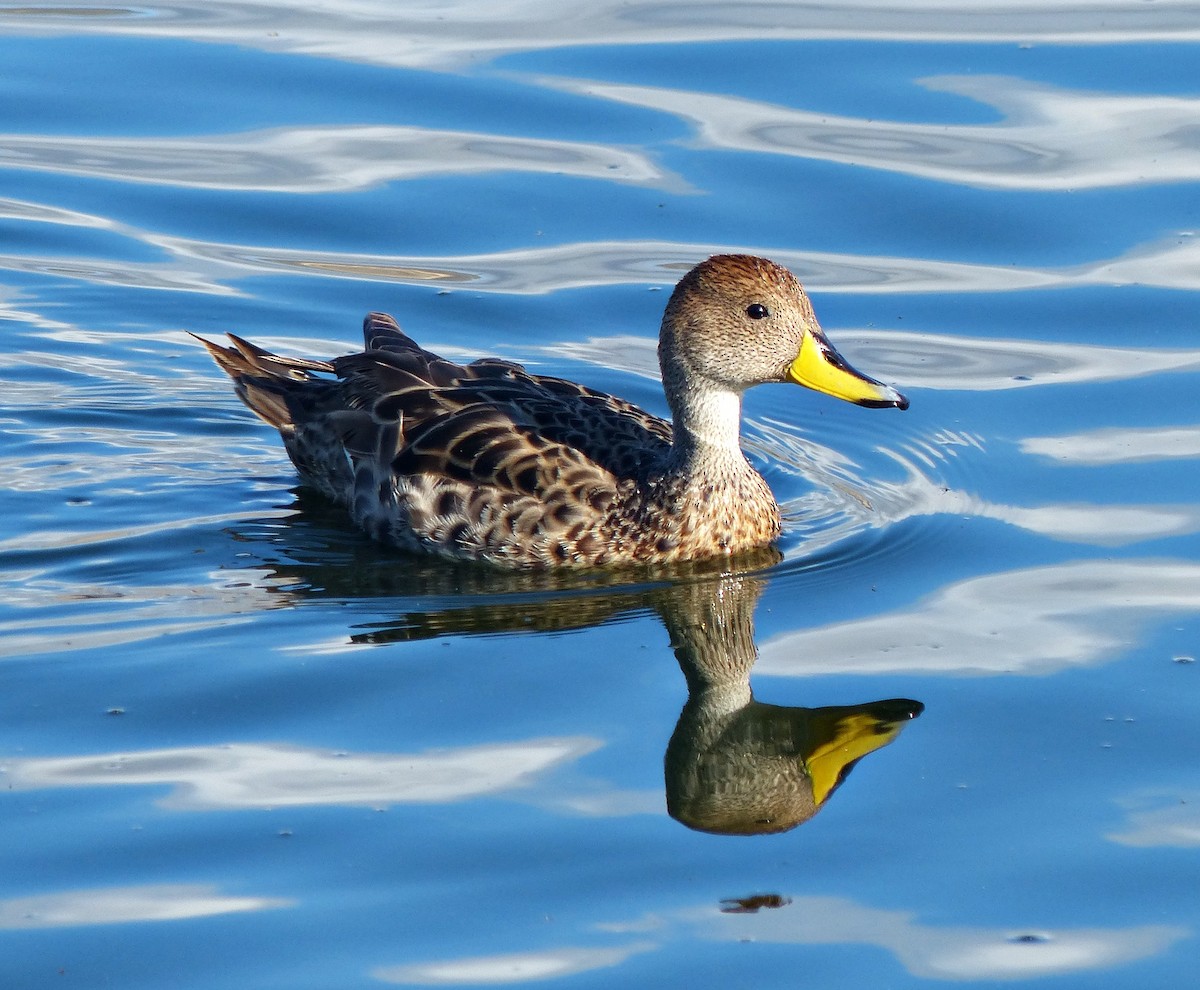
1119, 445
322, 159
1029, 621
937, 361
458, 32
211, 266
265, 775
1050, 138
121, 905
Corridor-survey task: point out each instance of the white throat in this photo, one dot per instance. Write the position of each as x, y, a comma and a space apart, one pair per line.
712, 420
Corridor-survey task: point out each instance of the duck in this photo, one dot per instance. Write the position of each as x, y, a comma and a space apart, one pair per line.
489, 462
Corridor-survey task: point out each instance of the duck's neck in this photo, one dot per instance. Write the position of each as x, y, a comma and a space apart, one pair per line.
708, 426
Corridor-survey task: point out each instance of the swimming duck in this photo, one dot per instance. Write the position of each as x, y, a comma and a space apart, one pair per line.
487, 461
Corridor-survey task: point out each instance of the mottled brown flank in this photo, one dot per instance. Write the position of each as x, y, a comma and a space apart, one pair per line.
487, 461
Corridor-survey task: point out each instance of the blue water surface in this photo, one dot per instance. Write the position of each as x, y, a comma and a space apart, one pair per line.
241, 745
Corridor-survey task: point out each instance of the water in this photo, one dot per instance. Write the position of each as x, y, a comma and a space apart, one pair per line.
243, 746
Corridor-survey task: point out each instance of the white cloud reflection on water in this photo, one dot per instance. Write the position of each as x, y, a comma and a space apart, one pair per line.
540, 270
515, 967
214, 267
107, 615
321, 159
261, 775
1032, 621
1092, 523
120, 905
1161, 819
944, 952
950, 953
458, 32
1118, 445
1050, 138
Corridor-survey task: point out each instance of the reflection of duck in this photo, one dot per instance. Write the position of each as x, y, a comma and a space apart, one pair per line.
486, 461
739, 767
733, 764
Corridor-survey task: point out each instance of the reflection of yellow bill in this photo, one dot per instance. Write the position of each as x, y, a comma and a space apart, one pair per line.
820, 367
850, 737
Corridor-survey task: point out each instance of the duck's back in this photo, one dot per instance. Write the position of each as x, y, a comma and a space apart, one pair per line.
478, 461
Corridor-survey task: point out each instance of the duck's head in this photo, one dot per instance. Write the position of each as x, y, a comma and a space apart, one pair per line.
735, 321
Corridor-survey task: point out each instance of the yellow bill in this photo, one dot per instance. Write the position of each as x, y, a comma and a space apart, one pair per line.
820, 367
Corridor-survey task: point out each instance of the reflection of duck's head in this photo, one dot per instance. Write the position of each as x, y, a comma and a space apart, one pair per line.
737, 766
766, 768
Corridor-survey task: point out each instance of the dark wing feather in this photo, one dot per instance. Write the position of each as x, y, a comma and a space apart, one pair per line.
491, 422
487, 424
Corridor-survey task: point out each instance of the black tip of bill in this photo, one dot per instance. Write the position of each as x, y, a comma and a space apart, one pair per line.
894, 400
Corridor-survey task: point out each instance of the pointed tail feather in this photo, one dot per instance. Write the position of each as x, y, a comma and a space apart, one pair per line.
264, 381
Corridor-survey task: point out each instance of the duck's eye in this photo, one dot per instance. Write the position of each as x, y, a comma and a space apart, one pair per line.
757, 311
